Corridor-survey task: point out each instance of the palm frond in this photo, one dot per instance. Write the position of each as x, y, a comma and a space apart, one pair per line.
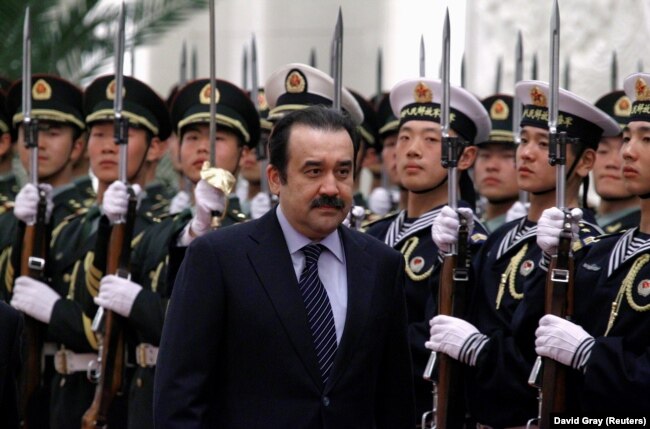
75, 39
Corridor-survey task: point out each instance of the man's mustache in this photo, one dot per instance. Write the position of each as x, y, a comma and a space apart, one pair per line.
326, 200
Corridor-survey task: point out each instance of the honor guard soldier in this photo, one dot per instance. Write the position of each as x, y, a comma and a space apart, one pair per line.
418, 153
607, 343
143, 298
81, 247
369, 149
618, 208
8, 188
495, 175
8, 183
57, 112
497, 341
391, 194
251, 166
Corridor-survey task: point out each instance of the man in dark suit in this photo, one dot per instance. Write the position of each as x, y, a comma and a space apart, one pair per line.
11, 327
243, 345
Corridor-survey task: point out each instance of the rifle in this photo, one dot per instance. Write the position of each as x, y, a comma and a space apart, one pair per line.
34, 242
448, 402
548, 375
108, 326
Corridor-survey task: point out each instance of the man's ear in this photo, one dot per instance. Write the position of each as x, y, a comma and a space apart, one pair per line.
78, 147
273, 177
5, 144
467, 158
156, 150
586, 162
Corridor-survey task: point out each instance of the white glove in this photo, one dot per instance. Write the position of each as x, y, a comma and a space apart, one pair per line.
26, 203
355, 217
206, 199
457, 338
34, 298
117, 294
444, 229
517, 211
380, 201
260, 204
116, 200
179, 202
563, 341
550, 225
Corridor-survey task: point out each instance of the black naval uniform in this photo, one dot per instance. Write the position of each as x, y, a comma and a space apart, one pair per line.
150, 270
412, 237
616, 378
507, 303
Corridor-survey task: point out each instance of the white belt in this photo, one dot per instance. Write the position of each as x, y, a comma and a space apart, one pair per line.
146, 355
67, 362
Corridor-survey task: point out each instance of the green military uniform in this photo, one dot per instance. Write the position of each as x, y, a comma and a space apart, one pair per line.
81, 249
85, 186
156, 199
54, 101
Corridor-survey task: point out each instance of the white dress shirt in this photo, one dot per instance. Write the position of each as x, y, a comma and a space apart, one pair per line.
331, 267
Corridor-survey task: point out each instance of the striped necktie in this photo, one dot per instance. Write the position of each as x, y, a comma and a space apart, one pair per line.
319, 310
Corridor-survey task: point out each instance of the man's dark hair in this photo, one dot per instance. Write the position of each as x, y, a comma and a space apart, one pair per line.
316, 117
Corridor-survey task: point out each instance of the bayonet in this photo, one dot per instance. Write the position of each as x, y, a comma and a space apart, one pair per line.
261, 145
244, 69
183, 68
29, 124
516, 102
422, 57
463, 72
614, 72
567, 74
533, 70
639, 65
312, 57
380, 76
497, 80
121, 123
338, 61
195, 64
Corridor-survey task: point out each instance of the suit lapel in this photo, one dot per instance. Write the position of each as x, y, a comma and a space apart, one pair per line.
360, 293
269, 256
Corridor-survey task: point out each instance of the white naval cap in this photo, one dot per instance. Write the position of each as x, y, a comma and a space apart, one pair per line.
637, 87
419, 99
296, 86
576, 116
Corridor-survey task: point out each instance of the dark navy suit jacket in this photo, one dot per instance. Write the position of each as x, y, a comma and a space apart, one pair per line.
237, 352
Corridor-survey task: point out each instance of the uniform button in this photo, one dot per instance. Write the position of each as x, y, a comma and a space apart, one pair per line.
326, 401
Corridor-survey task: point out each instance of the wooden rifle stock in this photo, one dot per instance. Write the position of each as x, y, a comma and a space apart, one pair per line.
111, 353
558, 300
452, 301
32, 263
